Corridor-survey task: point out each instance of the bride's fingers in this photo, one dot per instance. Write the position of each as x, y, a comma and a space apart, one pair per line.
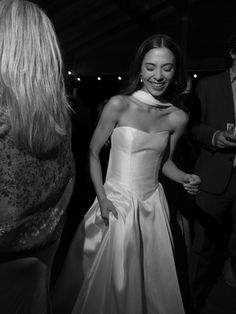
105, 216
105, 219
191, 189
194, 189
191, 185
114, 212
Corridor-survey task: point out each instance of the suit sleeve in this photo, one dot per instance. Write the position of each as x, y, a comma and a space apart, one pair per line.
202, 132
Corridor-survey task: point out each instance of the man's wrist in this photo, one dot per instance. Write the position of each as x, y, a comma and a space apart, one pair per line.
213, 142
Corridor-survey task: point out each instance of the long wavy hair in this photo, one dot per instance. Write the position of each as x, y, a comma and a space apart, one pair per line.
32, 86
180, 77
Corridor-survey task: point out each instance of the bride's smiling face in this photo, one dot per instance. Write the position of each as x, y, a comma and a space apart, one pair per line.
157, 70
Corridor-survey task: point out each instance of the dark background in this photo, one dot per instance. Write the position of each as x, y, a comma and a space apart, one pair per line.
100, 37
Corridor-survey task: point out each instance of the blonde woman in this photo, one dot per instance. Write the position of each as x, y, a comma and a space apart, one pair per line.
36, 162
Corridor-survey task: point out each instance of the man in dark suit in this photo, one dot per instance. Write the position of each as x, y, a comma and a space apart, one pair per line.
216, 166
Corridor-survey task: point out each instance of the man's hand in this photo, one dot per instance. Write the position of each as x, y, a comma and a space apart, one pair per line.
223, 139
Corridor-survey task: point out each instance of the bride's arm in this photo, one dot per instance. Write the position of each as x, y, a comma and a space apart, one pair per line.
108, 120
178, 121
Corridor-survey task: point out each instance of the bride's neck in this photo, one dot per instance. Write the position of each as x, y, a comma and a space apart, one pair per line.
160, 99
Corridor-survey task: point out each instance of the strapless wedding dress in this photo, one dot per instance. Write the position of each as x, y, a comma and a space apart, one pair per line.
127, 267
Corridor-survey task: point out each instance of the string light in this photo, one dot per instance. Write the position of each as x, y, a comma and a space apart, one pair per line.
99, 78
195, 75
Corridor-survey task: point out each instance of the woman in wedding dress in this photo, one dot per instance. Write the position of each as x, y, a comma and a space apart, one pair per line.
121, 260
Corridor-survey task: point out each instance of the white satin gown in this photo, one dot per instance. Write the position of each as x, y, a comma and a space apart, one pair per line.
127, 267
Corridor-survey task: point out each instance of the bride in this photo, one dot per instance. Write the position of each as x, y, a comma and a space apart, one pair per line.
121, 259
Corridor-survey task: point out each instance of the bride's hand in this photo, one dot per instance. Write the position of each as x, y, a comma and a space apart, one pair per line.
191, 183
106, 206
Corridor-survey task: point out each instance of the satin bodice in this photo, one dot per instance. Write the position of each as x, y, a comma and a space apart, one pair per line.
135, 159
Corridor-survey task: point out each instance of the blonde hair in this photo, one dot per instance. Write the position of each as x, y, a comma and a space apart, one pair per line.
31, 77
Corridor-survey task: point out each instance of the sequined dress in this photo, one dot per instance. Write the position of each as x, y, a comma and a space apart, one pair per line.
30, 187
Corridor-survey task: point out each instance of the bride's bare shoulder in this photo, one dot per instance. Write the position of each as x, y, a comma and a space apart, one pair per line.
178, 117
118, 103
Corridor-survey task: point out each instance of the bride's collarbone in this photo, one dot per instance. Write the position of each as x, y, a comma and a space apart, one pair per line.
149, 112
149, 108
152, 117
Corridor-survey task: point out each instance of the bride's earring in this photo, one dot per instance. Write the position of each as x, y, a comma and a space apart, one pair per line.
140, 78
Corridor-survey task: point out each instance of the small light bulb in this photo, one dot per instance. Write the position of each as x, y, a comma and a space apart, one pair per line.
69, 72
78, 79
99, 78
119, 78
195, 75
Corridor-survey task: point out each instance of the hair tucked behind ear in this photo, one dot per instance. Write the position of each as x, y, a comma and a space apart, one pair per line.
31, 77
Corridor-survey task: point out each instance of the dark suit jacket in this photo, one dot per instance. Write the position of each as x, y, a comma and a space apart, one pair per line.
214, 166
